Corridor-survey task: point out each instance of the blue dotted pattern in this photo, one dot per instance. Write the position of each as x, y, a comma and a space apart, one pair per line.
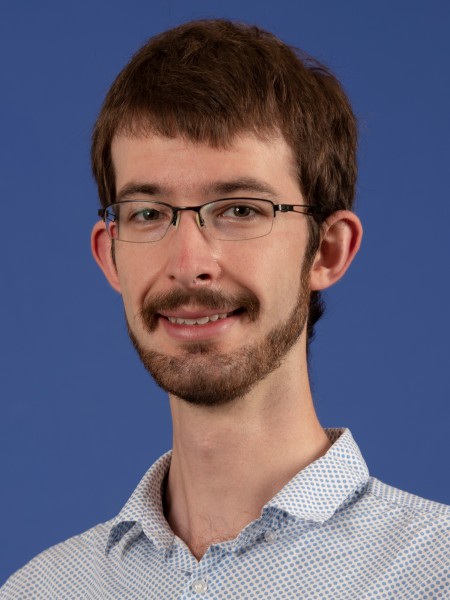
332, 532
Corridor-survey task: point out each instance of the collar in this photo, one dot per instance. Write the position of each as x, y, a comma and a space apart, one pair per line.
314, 494
327, 484
145, 508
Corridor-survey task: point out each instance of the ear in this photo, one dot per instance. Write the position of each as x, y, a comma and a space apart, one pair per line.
101, 246
341, 236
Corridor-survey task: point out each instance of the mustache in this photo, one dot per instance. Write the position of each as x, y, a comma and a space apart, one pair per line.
211, 299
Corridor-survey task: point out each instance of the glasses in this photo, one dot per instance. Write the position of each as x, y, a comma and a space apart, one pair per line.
230, 219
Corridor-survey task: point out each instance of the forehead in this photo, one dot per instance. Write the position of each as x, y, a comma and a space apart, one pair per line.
176, 163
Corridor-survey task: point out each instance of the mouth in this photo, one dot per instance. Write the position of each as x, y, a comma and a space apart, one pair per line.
200, 319
188, 315
202, 325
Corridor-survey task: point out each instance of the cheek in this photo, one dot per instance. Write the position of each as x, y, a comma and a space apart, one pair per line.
272, 271
136, 277
282, 261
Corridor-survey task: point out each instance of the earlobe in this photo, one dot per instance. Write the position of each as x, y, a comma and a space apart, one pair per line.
101, 246
340, 241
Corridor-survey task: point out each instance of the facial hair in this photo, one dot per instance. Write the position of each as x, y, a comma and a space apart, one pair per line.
206, 377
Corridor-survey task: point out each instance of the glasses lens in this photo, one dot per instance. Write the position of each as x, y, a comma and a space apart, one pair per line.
138, 221
238, 218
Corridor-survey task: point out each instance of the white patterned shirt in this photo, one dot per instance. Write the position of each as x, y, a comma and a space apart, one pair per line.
332, 532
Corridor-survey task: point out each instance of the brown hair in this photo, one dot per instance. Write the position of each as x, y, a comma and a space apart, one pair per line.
210, 80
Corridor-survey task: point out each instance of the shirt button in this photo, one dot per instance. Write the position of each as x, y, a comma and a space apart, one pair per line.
200, 586
270, 536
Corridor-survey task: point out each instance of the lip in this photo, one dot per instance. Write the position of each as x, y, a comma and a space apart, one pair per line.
196, 313
187, 333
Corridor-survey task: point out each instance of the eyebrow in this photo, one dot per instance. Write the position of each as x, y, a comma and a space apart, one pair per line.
219, 188
149, 189
245, 184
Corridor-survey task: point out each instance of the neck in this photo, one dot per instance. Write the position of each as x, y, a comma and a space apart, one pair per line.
229, 461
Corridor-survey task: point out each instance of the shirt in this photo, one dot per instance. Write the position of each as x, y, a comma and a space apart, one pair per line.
332, 532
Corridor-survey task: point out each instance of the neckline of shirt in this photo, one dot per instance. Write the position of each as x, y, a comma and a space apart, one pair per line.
313, 495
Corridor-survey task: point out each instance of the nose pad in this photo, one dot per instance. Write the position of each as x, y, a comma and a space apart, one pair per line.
177, 217
200, 220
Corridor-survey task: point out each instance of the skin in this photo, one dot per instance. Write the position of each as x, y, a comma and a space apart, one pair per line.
228, 460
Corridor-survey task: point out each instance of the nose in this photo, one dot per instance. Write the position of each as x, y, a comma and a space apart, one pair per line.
192, 257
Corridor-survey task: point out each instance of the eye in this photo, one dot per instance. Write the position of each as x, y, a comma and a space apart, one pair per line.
243, 211
145, 215
231, 216
240, 211
148, 214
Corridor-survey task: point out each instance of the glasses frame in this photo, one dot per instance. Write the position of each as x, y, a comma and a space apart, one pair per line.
306, 209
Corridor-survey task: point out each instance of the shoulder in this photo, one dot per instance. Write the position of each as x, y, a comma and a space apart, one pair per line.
83, 565
64, 570
392, 498
395, 541
406, 523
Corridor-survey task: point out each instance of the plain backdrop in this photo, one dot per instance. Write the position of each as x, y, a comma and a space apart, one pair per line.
81, 420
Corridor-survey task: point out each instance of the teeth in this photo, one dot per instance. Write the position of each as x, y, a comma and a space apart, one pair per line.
202, 321
199, 321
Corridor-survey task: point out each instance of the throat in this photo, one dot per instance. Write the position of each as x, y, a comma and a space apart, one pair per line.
219, 482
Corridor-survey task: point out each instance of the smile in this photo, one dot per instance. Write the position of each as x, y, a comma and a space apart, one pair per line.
197, 321
197, 324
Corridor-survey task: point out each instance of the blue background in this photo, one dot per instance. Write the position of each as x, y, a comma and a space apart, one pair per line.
81, 420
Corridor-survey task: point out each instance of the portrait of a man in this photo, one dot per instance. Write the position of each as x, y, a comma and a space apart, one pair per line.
226, 167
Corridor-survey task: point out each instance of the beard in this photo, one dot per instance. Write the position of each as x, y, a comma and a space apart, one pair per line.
206, 377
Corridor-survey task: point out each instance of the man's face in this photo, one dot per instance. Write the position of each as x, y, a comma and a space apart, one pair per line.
252, 293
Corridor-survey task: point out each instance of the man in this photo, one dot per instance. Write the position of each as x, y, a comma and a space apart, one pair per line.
226, 170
